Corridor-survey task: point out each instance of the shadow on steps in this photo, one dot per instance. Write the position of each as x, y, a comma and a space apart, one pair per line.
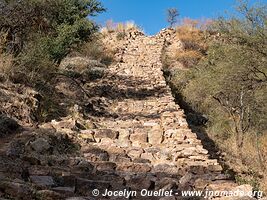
46, 164
197, 123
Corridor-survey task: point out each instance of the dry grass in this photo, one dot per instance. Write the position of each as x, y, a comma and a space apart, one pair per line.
250, 163
6, 66
194, 43
95, 50
189, 58
119, 27
263, 184
131, 25
6, 60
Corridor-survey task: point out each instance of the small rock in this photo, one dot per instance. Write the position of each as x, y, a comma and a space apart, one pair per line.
141, 160
106, 133
151, 124
88, 138
107, 142
87, 135
64, 190
14, 189
147, 156
64, 124
40, 145
155, 135
201, 184
42, 180
167, 184
215, 168
123, 140
84, 165
15, 149
135, 152
49, 195
139, 182
185, 180
119, 158
85, 186
93, 73
165, 168
106, 166
139, 137
96, 154
133, 167
190, 151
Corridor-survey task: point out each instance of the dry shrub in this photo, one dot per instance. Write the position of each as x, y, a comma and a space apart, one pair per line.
250, 163
95, 50
255, 152
104, 31
110, 25
6, 63
200, 24
6, 60
119, 27
3, 40
189, 58
263, 184
130, 25
30, 67
193, 39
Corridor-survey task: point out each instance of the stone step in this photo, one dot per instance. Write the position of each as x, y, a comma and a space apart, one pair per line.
139, 139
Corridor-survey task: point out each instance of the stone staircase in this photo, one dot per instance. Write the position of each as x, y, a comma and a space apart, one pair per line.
141, 140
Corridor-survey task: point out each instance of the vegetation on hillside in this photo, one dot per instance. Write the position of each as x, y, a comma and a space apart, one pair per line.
35, 35
227, 81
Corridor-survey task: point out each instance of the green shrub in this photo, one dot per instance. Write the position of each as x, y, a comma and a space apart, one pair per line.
42, 32
230, 78
229, 85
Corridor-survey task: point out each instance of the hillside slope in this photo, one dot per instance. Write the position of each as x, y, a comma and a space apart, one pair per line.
125, 132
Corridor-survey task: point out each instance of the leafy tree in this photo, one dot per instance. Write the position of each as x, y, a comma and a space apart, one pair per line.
59, 24
243, 54
230, 84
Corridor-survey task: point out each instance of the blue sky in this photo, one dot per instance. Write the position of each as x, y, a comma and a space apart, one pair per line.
151, 14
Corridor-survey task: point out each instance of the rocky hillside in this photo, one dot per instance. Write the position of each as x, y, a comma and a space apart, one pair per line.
124, 131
